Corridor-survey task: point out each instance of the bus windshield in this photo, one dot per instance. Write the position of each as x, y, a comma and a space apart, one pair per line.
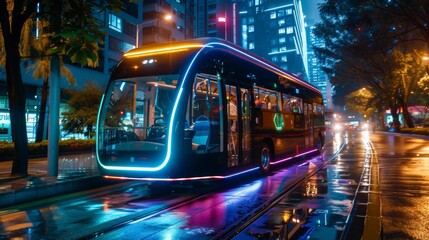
134, 118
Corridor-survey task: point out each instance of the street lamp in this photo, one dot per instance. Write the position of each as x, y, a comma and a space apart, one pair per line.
166, 17
223, 20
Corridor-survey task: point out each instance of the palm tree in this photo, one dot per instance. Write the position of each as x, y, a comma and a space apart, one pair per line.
41, 69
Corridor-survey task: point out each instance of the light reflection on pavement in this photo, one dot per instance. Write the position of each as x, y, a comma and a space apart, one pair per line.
319, 208
204, 219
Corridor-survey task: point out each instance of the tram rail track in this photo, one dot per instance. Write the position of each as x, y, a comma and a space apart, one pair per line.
105, 227
250, 218
140, 212
228, 233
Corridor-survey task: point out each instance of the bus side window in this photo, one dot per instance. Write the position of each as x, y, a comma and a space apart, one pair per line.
205, 113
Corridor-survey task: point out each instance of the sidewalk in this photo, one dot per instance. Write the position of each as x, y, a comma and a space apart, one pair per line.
75, 173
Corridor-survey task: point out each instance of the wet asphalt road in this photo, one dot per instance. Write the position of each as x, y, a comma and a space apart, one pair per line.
318, 209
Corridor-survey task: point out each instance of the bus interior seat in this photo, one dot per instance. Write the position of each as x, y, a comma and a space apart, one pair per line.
202, 134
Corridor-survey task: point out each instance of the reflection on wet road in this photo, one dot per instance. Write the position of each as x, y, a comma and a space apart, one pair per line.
200, 219
404, 183
204, 219
317, 209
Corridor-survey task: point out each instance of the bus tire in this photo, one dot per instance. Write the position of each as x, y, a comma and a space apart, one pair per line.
265, 155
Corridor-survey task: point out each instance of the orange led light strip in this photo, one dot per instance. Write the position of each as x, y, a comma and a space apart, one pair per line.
141, 53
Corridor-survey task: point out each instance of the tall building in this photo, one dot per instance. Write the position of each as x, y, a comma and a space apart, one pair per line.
272, 29
275, 30
217, 18
155, 28
316, 74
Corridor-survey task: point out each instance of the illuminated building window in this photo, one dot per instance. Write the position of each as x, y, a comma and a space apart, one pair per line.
115, 23
273, 15
282, 40
251, 28
289, 30
289, 11
282, 30
251, 45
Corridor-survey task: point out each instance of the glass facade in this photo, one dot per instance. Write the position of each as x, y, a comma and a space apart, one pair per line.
283, 21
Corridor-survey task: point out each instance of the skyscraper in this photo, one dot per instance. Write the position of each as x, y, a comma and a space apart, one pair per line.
316, 74
217, 18
275, 30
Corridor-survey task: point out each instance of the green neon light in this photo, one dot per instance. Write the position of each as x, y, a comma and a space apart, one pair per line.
278, 121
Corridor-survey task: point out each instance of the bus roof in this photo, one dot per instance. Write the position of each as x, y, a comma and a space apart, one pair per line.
200, 43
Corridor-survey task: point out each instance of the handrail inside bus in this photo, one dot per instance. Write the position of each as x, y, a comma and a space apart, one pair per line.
161, 84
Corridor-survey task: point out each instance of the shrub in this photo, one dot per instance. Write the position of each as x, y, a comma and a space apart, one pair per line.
420, 131
41, 148
6, 149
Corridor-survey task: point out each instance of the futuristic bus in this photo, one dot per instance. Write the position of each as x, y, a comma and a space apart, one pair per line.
201, 109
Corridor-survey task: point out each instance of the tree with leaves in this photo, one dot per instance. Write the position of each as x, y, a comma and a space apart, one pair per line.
76, 37
83, 109
41, 67
368, 45
360, 100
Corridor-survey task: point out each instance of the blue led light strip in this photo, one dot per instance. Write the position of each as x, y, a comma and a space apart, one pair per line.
180, 92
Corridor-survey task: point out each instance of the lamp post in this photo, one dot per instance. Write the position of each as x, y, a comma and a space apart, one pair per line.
139, 26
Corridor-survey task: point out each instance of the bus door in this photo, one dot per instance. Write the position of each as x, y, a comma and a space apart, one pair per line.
233, 128
308, 125
238, 113
245, 133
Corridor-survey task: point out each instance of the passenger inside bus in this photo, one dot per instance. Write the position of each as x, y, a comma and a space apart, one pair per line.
232, 139
267, 102
233, 112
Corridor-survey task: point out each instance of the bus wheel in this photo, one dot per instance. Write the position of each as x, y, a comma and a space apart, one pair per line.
265, 159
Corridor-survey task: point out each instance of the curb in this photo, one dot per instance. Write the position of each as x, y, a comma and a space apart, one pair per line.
41, 190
